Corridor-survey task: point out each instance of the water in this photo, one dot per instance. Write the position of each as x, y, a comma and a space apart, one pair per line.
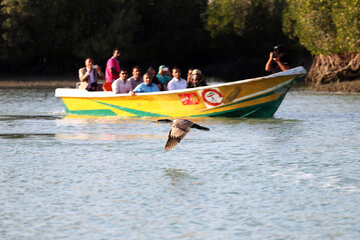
294, 176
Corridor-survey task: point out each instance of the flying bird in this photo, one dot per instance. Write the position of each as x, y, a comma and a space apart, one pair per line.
179, 129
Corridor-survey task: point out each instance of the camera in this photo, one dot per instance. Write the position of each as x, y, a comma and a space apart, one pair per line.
275, 55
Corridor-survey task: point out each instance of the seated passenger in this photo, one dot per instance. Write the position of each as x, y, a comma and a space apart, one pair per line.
122, 85
136, 78
197, 79
146, 86
164, 76
189, 75
177, 82
151, 71
89, 75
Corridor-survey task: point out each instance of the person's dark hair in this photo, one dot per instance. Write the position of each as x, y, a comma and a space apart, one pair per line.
175, 67
116, 48
150, 69
136, 67
279, 48
89, 58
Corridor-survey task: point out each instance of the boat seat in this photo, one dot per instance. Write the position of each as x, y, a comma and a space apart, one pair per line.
107, 87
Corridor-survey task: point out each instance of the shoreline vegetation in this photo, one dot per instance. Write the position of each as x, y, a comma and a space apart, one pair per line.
223, 38
34, 82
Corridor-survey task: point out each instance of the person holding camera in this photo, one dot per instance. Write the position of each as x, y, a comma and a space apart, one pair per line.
89, 75
164, 76
277, 60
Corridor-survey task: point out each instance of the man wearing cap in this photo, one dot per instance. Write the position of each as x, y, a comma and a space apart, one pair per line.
177, 82
197, 79
277, 61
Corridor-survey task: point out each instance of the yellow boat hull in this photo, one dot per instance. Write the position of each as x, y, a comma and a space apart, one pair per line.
259, 97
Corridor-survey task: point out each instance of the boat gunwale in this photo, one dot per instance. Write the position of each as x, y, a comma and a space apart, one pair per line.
82, 93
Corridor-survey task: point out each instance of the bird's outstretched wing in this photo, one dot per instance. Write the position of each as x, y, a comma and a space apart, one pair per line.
175, 136
179, 129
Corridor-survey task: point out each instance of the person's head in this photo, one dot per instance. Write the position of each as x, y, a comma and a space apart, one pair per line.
89, 63
147, 79
196, 74
123, 74
151, 71
116, 53
136, 72
176, 72
279, 50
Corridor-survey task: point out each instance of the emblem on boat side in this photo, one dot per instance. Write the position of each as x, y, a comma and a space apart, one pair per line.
212, 97
189, 99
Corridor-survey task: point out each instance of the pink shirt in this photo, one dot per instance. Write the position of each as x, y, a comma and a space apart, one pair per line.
112, 62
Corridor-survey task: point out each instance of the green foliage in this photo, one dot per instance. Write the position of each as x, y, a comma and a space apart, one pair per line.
227, 17
324, 26
248, 26
40, 32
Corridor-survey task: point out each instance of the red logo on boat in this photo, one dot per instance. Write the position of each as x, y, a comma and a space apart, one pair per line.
212, 97
189, 98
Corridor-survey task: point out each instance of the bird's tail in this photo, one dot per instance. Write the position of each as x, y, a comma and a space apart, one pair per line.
200, 127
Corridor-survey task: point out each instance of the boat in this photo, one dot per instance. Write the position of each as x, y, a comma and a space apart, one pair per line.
256, 97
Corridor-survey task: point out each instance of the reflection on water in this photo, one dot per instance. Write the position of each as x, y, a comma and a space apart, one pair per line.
179, 177
27, 135
24, 117
294, 176
83, 136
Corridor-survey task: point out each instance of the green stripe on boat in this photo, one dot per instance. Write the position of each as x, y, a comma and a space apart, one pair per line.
133, 111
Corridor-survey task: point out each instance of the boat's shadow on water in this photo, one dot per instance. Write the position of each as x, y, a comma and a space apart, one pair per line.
31, 136
31, 117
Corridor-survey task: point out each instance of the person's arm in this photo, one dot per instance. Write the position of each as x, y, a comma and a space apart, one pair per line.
100, 73
83, 75
137, 89
112, 66
268, 66
113, 71
282, 66
115, 87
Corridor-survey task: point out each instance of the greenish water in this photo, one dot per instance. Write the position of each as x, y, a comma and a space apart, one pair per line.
294, 176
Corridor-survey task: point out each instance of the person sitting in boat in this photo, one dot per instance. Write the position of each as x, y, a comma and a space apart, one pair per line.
164, 76
189, 75
136, 78
146, 86
113, 66
152, 72
89, 75
122, 85
197, 79
277, 60
177, 82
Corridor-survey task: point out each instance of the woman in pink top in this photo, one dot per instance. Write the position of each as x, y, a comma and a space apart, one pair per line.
113, 66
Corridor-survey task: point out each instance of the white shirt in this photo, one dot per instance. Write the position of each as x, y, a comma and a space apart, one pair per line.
119, 86
175, 84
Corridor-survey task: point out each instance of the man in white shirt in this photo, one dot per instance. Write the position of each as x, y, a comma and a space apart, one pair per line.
177, 82
122, 85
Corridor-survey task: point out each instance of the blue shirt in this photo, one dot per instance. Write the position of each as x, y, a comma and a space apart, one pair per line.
145, 88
